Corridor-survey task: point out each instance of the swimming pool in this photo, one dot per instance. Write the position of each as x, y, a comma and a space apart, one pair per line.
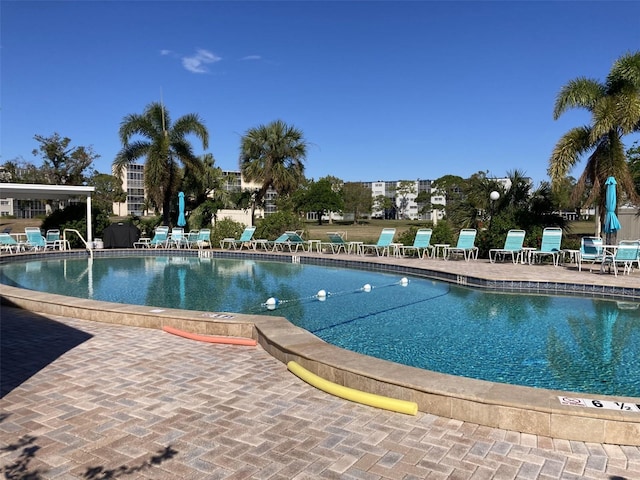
577, 344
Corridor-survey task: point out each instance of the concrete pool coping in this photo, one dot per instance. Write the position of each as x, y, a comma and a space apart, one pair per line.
509, 407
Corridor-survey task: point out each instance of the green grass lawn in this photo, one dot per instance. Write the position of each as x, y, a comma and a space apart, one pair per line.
583, 228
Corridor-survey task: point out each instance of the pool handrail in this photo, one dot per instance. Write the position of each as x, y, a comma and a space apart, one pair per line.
87, 246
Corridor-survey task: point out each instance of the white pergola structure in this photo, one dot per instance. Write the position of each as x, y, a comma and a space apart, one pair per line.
32, 191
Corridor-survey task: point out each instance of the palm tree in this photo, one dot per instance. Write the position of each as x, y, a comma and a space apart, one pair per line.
165, 147
615, 112
272, 155
205, 183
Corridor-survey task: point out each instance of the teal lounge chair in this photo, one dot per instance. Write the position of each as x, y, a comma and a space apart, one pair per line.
627, 242
590, 251
335, 243
626, 254
35, 240
53, 240
466, 245
289, 240
512, 246
191, 238
278, 242
421, 244
204, 238
549, 247
160, 238
177, 239
245, 240
382, 246
8, 243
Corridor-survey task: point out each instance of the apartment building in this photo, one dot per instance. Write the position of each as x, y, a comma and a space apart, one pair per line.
403, 196
133, 185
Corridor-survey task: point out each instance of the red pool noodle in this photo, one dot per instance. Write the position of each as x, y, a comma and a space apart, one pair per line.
212, 339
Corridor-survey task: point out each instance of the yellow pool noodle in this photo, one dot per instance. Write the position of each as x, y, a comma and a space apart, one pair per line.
371, 399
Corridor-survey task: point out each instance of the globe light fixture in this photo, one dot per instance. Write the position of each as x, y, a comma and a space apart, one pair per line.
493, 196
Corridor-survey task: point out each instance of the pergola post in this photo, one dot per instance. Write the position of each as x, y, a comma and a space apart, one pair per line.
89, 228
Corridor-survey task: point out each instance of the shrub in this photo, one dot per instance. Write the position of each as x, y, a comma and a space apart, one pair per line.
226, 228
75, 217
443, 233
277, 223
147, 225
202, 215
407, 237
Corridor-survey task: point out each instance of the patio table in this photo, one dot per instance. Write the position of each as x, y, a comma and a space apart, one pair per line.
440, 247
316, 243
574, 256
395, 249
355, 247
526, 254
608, 251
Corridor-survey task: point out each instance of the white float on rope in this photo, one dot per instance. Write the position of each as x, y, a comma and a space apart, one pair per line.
404, 281
366, 288
271, 303
322, 295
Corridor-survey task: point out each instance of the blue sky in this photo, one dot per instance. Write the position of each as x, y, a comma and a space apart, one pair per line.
381, 90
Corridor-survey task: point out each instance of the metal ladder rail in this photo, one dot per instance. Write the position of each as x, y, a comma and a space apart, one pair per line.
72, 230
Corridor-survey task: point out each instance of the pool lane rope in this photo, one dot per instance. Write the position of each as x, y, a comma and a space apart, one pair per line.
358, 396
385, 310
272, 303
249, 342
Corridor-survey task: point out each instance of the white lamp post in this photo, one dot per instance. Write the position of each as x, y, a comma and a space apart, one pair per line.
493, 196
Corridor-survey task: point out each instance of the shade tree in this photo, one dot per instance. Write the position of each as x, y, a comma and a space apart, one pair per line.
322, 196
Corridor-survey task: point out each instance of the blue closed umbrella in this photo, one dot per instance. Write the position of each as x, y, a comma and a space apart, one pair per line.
182, 221
611, 223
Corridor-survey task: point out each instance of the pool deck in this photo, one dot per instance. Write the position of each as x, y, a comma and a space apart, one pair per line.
89, 399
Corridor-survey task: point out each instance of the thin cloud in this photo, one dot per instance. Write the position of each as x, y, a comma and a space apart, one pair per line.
165, 52
252, 57
198, 63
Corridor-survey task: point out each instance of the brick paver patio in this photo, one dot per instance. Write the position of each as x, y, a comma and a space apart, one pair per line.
97, 401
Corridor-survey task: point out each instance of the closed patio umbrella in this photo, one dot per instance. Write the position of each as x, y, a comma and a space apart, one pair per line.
611, 223
182, 221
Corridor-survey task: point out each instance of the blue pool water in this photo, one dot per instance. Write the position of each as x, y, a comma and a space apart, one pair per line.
576, 344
